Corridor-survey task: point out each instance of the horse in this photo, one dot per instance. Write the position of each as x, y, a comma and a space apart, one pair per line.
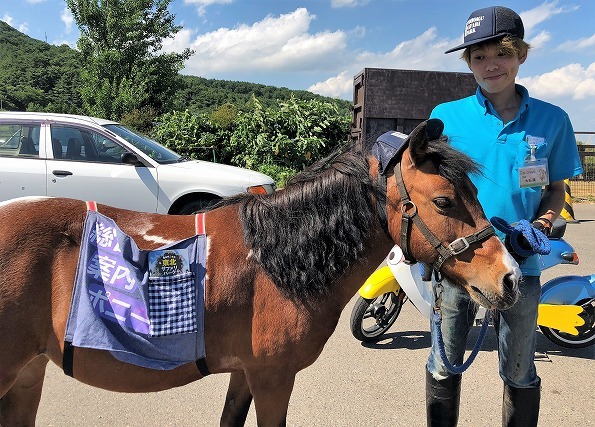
280, 268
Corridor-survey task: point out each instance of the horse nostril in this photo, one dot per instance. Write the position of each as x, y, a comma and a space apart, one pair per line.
510, 283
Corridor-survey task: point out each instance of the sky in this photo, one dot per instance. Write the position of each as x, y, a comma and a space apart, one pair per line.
320, 45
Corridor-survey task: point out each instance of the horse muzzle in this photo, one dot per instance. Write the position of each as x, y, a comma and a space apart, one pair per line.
506, 294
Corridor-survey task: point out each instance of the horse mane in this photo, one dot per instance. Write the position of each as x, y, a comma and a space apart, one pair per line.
313, 229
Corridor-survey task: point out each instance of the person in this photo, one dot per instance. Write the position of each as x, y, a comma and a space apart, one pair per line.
525, 148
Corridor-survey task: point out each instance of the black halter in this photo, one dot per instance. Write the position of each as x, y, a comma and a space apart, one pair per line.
409, 217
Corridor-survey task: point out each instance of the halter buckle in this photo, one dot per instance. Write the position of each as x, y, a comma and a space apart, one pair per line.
459, 245
406, 205
438, 289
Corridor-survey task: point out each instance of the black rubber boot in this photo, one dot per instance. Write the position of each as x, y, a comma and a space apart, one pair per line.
520, 406
442, 400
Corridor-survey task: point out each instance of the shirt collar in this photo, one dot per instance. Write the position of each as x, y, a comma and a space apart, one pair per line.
487, 106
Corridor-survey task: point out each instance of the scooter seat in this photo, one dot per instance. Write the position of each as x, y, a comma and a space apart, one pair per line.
558, 229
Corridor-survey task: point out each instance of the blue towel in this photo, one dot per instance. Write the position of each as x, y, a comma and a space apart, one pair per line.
145, 307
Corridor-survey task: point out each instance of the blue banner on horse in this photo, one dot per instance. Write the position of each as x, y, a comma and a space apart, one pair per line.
145, 307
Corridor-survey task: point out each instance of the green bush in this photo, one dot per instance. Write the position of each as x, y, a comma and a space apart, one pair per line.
280, 174
294, 135
194, 136
277, 141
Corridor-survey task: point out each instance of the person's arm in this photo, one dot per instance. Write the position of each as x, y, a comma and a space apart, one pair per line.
552, 202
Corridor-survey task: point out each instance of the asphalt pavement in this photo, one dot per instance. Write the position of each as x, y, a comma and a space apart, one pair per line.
360, 385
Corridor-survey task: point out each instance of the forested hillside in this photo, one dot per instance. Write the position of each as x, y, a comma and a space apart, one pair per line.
203, 95
37, 76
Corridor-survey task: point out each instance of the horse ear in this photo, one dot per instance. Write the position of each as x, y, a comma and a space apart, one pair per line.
425, 132
434, 128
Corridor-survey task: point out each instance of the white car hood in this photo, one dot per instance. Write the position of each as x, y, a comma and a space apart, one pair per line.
250, 177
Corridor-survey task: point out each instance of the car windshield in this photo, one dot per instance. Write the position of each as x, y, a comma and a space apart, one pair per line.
151, 148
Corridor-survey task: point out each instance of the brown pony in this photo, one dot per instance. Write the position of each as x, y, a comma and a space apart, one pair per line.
280, 270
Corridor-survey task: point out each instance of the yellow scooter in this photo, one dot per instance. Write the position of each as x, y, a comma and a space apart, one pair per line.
566, 313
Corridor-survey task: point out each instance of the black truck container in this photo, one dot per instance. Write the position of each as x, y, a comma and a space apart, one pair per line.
388, 99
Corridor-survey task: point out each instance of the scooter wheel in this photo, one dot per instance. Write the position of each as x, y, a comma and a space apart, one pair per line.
371, 318
586, 333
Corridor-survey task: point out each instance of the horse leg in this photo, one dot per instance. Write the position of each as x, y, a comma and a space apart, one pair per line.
237, 401
18, 407
271, 390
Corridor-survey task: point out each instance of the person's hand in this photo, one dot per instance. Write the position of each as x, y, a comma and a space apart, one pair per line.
544, 225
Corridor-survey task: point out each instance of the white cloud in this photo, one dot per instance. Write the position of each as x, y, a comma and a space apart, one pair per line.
335, 87
358, 32
67, 18
8, 19
60, 42
34, 1
347, 3
540, 40
23, 28
201, 5
580, 44
179, 42
277, 43
572, 87
542, 13
572, 80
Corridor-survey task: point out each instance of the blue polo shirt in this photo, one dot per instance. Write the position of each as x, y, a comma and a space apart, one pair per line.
473, 126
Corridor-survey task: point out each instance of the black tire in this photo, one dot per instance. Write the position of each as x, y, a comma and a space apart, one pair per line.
371, 318
586, 333
197, 205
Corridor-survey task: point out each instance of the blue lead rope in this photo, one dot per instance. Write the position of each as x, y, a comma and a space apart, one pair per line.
437, 319
460, 368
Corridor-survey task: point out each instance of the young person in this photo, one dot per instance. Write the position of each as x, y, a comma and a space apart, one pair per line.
526, 148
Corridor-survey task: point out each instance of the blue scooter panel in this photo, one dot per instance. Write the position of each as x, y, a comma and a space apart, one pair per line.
559, 248
568, 290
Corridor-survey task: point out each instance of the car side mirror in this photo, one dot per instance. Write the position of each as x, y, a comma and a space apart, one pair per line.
131, 159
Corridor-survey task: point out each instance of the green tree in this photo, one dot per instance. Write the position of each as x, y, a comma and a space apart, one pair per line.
293, 136
123, 68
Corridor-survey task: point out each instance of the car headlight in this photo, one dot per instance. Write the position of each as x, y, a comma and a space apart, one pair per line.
261, 189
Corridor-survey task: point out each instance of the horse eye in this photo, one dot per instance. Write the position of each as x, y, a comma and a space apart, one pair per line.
442, 202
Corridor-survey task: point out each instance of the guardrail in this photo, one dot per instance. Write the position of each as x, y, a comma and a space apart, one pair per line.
582, 187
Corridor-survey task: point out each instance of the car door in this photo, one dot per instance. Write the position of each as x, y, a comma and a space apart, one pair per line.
90, 168
22, 171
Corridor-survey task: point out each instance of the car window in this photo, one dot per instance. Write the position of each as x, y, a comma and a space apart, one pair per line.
80, 144
18, 139
157, 152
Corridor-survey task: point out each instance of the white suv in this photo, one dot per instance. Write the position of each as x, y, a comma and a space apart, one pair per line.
87, 158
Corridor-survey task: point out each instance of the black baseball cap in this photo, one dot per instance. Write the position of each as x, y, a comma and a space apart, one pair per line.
491, 23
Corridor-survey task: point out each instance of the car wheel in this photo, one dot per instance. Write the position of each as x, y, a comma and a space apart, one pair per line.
198, 205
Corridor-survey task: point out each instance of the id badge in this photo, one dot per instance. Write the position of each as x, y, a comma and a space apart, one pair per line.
534, 173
